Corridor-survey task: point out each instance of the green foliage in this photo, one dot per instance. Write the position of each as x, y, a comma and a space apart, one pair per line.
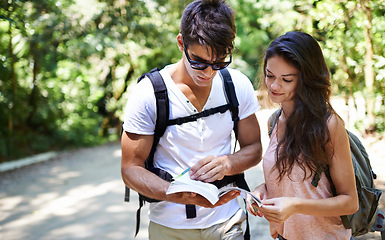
66, 65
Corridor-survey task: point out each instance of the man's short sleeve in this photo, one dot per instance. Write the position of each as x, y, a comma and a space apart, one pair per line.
248, 102
140, 111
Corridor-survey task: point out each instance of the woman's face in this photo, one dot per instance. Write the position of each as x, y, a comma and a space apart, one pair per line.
281, 80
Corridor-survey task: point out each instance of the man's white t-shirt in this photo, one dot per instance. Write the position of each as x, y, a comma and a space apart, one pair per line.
184, 145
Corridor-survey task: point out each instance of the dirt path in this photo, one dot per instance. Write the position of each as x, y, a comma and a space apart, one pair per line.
79, 195
76, 196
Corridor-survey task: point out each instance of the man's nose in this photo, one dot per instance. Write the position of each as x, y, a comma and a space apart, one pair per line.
209, 71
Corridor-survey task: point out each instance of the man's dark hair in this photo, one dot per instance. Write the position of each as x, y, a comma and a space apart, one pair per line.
209, 23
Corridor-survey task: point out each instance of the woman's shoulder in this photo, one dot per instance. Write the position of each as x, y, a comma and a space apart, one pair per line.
335, 122
336, 127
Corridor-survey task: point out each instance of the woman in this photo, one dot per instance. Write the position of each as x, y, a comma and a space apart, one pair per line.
308, 136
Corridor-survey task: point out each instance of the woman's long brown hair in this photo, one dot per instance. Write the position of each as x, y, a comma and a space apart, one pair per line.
306, 138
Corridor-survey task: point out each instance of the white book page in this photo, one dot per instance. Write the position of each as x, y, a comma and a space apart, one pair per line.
251, 198
183, 183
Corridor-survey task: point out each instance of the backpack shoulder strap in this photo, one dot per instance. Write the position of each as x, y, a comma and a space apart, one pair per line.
162, 109
232, 98
273, 120
317, 177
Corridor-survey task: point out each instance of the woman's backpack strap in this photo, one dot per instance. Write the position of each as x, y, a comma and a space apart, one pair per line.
273, 120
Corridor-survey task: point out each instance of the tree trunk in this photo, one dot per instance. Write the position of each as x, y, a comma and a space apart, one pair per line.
369, 72
33, 97
13, 104
351, 76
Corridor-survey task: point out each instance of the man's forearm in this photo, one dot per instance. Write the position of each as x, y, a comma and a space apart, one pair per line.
145, 182
245, 158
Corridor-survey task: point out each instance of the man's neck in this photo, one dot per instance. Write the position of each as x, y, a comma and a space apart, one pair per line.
197, 95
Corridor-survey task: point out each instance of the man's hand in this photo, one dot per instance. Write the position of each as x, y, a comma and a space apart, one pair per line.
196, 199
227, 198
210, 169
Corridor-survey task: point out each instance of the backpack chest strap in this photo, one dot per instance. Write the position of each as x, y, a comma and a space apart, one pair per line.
194, 117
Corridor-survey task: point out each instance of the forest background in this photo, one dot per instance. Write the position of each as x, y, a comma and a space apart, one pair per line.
66, 65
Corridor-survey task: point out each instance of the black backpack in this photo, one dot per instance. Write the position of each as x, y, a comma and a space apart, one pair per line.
362, 221
162, 121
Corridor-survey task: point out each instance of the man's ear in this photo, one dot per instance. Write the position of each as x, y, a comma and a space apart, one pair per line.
180, 42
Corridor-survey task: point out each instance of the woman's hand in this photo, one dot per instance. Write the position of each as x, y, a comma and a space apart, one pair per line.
251, 206
277, 210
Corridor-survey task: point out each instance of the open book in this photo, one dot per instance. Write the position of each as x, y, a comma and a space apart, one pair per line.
183, 183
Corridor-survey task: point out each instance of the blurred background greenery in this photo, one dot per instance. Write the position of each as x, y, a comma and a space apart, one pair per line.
66, 65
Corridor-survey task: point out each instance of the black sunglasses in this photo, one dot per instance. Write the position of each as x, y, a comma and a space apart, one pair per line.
202, 66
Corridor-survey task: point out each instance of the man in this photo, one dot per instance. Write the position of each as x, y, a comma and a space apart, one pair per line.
207, 32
